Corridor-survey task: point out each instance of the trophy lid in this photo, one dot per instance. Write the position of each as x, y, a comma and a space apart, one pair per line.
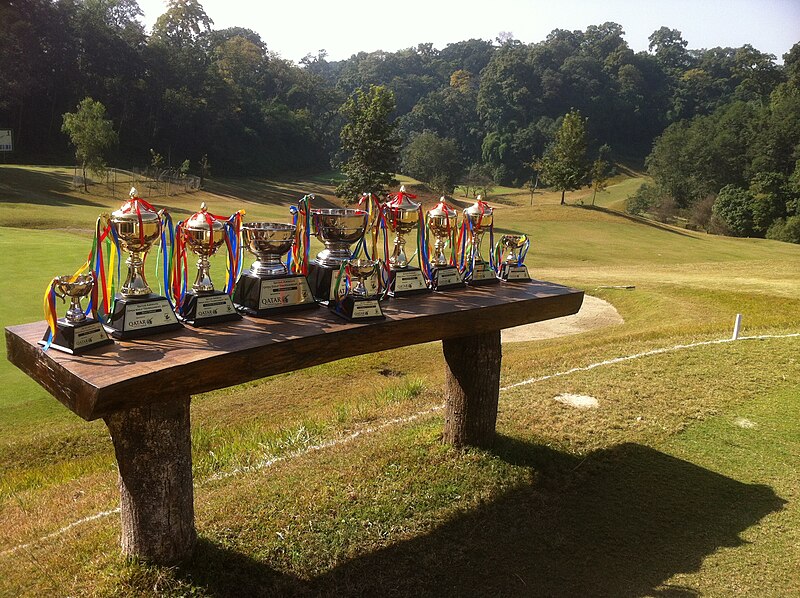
202, 220
479, 208
135, 209
401, 201
442, 210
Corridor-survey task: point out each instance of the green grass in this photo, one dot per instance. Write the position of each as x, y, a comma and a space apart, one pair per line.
659, 491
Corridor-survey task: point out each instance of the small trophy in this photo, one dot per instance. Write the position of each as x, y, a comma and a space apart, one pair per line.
204, 234
513, 268
478, 218
338, 228
268, 287
75, 333
441, 221
137, 310
359, 304
402, 216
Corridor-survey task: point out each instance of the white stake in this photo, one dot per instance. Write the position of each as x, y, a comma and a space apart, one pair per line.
736, 325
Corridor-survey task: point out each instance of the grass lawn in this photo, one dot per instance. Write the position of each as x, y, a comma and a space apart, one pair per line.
682, 482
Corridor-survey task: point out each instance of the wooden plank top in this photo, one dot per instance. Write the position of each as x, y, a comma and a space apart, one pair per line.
194, 360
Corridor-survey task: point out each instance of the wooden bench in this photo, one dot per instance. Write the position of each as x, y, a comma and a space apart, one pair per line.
142, 388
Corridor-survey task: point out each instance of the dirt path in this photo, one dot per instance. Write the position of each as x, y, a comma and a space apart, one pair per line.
594, 313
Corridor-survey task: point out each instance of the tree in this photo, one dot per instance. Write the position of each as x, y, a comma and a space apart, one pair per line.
370, 141
563, 165
600, 172
734, 207
433, 160
91, 134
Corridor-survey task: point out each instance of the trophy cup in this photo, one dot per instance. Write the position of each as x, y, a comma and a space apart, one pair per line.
137, 310
268, 287
204, 234
360, 304
479, 217
75, 333
513, 268
402, 216
441, 221
338, 228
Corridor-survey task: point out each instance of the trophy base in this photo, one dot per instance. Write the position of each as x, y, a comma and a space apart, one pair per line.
446, 278
321, 279
134, 317
511, 273
257, 296
482, 275
407, 281
357, 309
206, 309
78, 337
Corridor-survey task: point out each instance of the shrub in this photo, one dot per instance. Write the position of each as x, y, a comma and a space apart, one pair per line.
785, 230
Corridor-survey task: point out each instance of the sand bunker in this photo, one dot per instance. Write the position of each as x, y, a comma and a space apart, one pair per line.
594, 313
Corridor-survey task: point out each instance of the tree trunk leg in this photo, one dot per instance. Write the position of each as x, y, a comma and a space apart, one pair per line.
472, 389
153, 449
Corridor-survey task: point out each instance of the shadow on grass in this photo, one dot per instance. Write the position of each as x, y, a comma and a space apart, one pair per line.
636, 219
21, 185
619, 523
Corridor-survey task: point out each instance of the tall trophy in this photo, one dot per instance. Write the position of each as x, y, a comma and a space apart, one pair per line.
402, 216
478, 218
137, 310
338, 229
513, 267
359, 304
441, 221
204, 234
75, 333
268, 287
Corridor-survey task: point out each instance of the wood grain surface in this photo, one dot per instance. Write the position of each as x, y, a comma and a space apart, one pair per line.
193, 360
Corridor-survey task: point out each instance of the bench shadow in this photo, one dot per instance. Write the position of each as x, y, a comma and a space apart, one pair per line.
621, 522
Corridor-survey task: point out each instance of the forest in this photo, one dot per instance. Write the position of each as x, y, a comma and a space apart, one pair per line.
717, 129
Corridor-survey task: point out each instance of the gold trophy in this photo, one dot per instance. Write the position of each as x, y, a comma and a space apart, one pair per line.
478, 218
442, 222
402, 216
359, 304
204, 234
75, 333
513, 268
268, 287
137, 310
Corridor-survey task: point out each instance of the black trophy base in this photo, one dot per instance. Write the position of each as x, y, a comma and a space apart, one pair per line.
445, 278
407, 281
76, 338
482, 275
512, 273
206, 309
322, 279
135, 317
357, 309
264, 297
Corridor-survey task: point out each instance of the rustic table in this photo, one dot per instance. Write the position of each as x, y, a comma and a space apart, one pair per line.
142, 388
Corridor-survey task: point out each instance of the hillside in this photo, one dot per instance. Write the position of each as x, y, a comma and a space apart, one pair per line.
333, 481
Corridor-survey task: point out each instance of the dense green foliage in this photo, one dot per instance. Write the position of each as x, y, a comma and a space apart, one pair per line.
745, 150
433, 160
721, 115
370, 142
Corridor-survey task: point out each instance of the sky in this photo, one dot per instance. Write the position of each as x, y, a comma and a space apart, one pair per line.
296, 28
